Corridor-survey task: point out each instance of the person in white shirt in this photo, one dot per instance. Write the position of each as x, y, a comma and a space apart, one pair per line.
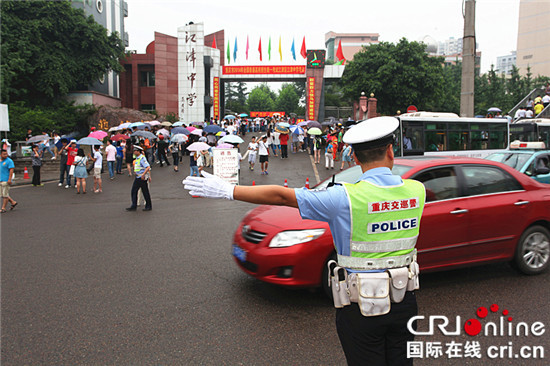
252, 150
529, 113
110, 151
263, 151
98, 163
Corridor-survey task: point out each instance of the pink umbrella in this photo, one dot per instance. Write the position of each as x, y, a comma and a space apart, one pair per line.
164, 132
191, 128
100, 135
198, 146
153, 123
224, 145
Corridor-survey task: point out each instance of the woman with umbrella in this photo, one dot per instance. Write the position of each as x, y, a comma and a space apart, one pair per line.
36, 165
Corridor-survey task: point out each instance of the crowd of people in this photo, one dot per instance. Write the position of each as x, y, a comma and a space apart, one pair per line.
533, 107
122, 147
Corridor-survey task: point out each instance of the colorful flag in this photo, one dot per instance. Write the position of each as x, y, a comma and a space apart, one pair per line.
303, 51
269, 49
247, 47
235, 51
214, 45
340, 55
228, 53
293, 50
260, 48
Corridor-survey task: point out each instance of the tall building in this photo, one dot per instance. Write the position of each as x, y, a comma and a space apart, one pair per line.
506, 63
110, 14
533, 48
451, 46
351, 43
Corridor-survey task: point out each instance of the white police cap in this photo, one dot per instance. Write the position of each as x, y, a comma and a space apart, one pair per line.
372, 133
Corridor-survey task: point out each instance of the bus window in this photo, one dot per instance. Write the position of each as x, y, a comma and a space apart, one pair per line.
413, 137
497, 137
480, 136
544, 135
436, 141
523, 132
458, 140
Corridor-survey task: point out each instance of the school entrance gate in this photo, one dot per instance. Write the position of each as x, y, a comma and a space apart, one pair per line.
201, 77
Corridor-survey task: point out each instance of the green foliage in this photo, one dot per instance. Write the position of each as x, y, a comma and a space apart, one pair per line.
50, 48
261, 98
288, 100
62, 117
235, 97
334, 95
171, 117
398, 74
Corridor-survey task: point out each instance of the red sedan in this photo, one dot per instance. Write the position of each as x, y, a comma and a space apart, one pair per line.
477, 211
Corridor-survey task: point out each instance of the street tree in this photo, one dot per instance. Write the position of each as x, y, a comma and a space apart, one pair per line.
50, 48
288, 99
261, 98
235, 97
398, 74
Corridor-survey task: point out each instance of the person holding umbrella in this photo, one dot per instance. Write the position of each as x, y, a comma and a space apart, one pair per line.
141, 169
36, 165
98, 164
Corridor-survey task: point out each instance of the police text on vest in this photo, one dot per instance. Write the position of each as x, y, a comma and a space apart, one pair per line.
396, 225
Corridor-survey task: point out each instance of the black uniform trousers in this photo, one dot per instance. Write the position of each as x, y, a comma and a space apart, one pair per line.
141, 184
377, 340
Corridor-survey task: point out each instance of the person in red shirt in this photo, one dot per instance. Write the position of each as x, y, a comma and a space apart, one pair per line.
71, 154
283, 138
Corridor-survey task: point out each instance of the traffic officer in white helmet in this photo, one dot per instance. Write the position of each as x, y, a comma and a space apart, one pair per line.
375, 223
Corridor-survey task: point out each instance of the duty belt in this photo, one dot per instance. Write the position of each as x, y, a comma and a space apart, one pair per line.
358, 263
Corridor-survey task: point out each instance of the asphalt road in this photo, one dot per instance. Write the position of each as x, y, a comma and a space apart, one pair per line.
84, 282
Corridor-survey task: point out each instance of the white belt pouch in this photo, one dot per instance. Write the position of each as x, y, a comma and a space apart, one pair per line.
373, 293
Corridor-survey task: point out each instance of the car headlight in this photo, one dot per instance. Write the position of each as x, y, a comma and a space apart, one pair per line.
290, 238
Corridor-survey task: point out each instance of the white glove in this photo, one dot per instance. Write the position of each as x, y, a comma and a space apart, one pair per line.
210, 186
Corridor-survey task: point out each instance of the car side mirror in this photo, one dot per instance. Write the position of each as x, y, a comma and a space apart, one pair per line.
542, 170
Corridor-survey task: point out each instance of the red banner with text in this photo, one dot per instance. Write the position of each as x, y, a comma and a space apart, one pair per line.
277, 70
266, 114
310, 111
216, 94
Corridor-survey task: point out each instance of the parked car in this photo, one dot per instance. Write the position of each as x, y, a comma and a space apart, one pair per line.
477, 211
530, 158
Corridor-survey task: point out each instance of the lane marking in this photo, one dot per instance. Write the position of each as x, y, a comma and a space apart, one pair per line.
315, 171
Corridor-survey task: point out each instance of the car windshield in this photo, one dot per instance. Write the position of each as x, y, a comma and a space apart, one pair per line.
353, 174
514, 160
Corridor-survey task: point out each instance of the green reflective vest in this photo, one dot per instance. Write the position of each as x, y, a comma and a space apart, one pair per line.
138, 169
385, 222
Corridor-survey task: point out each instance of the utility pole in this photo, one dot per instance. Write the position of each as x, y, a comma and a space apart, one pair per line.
468, 59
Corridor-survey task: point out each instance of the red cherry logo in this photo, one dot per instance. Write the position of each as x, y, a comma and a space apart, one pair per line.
472, 327
482, 312
510, 318
494, 308
505, 312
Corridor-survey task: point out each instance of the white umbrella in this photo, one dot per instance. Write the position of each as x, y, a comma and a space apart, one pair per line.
153, 123
197, 132
38, 138
233, 139
179, 138
198, 146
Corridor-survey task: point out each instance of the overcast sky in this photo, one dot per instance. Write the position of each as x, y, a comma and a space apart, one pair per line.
496, 22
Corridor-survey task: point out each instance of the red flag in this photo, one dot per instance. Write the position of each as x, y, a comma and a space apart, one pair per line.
214, 43
303, 50
260, 48
340, 54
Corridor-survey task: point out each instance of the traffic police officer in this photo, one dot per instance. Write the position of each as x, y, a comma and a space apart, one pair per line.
141, 170
374, 223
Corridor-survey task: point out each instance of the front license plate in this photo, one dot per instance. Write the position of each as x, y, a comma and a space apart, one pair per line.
239, 253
